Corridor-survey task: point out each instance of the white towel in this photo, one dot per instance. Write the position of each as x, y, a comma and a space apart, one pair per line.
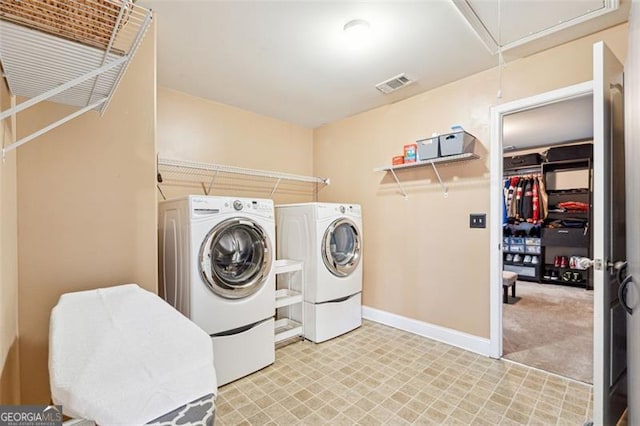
122, 355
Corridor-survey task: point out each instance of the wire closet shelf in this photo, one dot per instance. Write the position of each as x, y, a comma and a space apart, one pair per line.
72, 52
206, 173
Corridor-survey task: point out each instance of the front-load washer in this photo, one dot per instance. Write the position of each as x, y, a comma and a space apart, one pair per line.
327, 237
216, 267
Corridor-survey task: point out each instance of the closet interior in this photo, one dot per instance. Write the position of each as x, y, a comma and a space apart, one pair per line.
547, 212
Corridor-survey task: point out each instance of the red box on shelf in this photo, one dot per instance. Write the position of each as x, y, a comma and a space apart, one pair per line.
410, 153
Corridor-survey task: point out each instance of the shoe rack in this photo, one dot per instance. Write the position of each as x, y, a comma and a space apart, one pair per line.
524, 256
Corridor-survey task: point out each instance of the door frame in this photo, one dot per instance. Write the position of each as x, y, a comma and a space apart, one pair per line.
495, 221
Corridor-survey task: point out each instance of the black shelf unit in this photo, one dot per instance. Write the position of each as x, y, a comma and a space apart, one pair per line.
524, 246
567, 241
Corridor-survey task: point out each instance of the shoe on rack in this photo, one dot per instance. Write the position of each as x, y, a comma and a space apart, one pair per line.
556, 261
509, 257
535, 260
527, 259
554, 275
517, 258
564, 262
547, 274
534, 232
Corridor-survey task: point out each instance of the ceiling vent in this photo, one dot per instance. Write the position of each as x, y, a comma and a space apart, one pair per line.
394, 83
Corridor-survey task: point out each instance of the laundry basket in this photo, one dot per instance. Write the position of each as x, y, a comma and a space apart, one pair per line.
87, 21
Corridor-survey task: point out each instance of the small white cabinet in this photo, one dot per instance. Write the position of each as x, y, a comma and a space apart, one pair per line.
289, 299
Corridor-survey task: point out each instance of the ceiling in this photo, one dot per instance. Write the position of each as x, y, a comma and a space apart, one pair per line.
291, 60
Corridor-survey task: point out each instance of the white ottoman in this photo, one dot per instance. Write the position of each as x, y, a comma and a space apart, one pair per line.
508, 280
122, 355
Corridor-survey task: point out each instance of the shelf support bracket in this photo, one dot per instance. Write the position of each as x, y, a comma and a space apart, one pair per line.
72, 83
213, 178
404, 194
52, 126
442, 184
275, 186
105, 57
160, 190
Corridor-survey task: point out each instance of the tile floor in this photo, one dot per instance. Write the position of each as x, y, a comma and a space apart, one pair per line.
381, 375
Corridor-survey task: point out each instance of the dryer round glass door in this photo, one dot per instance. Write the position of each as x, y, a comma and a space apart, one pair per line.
235, 258
341, 247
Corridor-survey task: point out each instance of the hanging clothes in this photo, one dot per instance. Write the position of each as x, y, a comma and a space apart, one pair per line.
520, 197
505, 197
512, 197
544, 200
536, 201
527, 201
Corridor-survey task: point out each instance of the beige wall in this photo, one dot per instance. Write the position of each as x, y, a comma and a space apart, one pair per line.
421, 260
195, 129
87, 208
9, 362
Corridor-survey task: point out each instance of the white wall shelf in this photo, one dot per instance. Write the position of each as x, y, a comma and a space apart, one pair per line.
69, 52
206, 173
289, 299
441, 160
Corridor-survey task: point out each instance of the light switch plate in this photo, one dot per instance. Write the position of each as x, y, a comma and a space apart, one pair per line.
477, 220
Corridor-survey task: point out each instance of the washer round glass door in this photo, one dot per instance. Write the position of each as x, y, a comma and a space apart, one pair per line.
235, 258
341, 246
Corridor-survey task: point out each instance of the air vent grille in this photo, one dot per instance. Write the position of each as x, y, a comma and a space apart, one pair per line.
394, 83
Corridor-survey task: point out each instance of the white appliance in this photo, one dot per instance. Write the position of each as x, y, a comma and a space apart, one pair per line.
216, 267
327, 237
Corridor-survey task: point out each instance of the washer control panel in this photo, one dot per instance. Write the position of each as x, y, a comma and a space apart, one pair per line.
245, 205
208, 205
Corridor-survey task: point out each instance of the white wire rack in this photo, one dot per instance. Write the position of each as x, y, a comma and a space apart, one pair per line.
205, 174
72, 52
433, 162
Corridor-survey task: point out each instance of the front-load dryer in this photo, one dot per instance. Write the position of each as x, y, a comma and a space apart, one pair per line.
216, 267
327, 237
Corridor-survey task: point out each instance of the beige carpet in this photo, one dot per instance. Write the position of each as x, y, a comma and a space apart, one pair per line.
550, 327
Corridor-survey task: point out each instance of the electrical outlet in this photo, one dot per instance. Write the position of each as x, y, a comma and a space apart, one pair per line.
477, 220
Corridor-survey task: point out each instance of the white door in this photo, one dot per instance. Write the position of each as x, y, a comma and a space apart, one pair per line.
632, 152
609, 358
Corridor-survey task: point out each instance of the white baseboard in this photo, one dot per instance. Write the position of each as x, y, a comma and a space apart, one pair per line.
451, 337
